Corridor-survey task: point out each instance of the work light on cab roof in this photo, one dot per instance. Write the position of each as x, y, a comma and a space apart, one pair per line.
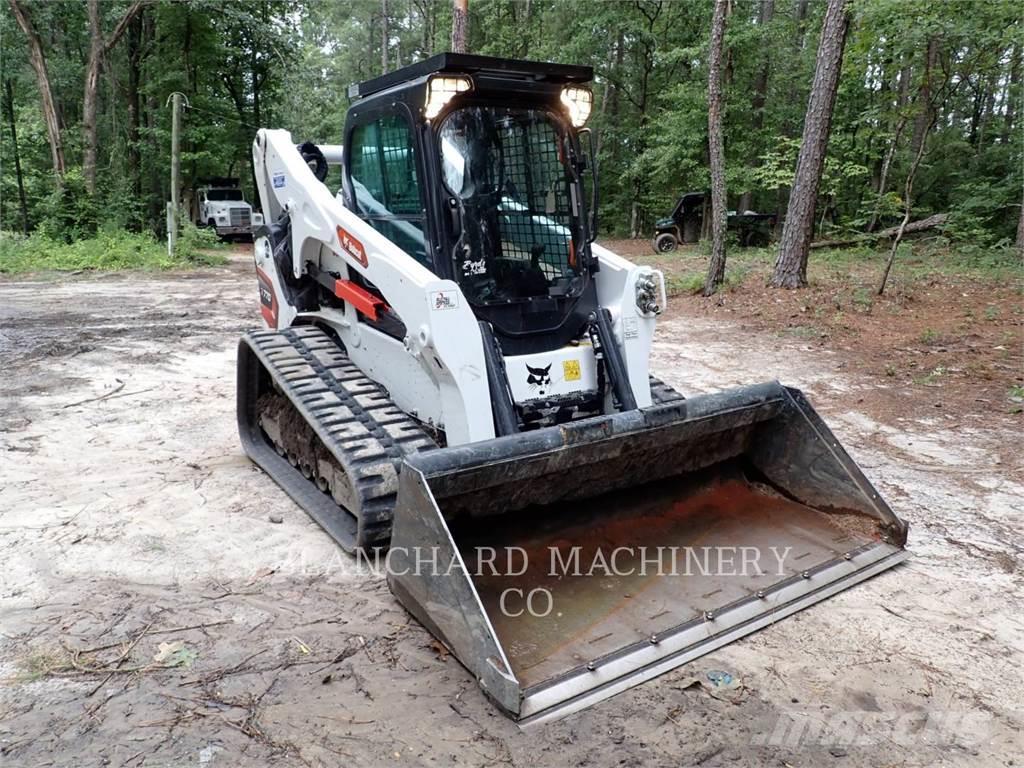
441, 90
579, 102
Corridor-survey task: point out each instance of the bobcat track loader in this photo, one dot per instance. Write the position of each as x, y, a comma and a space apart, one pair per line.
453, 372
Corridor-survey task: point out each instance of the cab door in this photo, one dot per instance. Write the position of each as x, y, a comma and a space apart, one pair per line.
384, 180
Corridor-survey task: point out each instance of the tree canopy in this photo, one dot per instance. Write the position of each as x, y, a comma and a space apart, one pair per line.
914, 71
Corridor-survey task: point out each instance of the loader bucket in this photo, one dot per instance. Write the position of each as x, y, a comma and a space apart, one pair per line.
564, 565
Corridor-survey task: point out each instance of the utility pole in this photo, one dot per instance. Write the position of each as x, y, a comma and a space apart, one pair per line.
173, 208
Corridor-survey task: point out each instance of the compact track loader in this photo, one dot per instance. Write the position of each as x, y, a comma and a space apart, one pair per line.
455, 374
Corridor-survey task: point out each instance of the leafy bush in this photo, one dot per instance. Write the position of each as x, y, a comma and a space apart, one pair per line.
693, 283
115, 249
193, 245
68, 212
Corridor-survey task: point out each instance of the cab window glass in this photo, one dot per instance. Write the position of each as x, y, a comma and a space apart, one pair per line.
385, 182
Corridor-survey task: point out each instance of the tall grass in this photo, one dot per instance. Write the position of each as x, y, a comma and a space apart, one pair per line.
111, 250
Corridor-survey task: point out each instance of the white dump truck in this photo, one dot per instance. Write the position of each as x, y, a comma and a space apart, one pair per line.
221, 204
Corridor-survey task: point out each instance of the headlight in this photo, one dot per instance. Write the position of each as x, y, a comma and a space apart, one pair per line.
579, 101
441, 90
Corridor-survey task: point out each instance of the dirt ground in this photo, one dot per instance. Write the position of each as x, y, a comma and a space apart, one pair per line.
155, 614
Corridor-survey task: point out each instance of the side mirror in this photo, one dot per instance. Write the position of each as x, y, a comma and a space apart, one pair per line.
591, 170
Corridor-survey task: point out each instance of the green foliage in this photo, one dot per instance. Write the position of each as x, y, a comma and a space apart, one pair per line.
195, 245
779, 165
104, 251
693, 282
276, 63
67, 213
863, 299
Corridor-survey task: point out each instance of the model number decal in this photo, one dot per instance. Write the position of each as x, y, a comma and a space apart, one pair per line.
268, 300
444, 300
266, 296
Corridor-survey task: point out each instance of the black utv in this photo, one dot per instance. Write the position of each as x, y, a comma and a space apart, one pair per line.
684, 225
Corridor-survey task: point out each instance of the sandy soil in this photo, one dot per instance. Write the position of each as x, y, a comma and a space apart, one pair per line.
129, 518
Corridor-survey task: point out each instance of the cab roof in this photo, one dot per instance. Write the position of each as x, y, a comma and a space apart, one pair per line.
469, 64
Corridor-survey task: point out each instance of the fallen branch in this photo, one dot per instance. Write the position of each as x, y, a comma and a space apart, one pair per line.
155, 632
119, 660
111, 393
922, 225
221, 673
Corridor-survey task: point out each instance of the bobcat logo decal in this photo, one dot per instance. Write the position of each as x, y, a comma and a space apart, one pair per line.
539, 377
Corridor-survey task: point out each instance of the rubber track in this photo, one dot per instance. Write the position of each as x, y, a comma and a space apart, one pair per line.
353, 416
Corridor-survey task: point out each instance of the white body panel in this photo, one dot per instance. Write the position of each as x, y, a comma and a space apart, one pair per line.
566, 370
437, 372
443, 344
634, 329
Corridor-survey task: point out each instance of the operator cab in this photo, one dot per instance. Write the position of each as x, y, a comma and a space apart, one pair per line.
473, 165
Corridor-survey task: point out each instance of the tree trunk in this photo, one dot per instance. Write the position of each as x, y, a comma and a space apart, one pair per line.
988, 111
716, 150
907, 194
902, 96
9, 104
527, 30
1020, 231
98, 48
460, 25
926, 112
383, 36
800, 14
884, 89
92, 79
134, 116
1012, 95
259, 75
38, 59
760, 94
800, 17
798, 229
620, 58
646, 55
